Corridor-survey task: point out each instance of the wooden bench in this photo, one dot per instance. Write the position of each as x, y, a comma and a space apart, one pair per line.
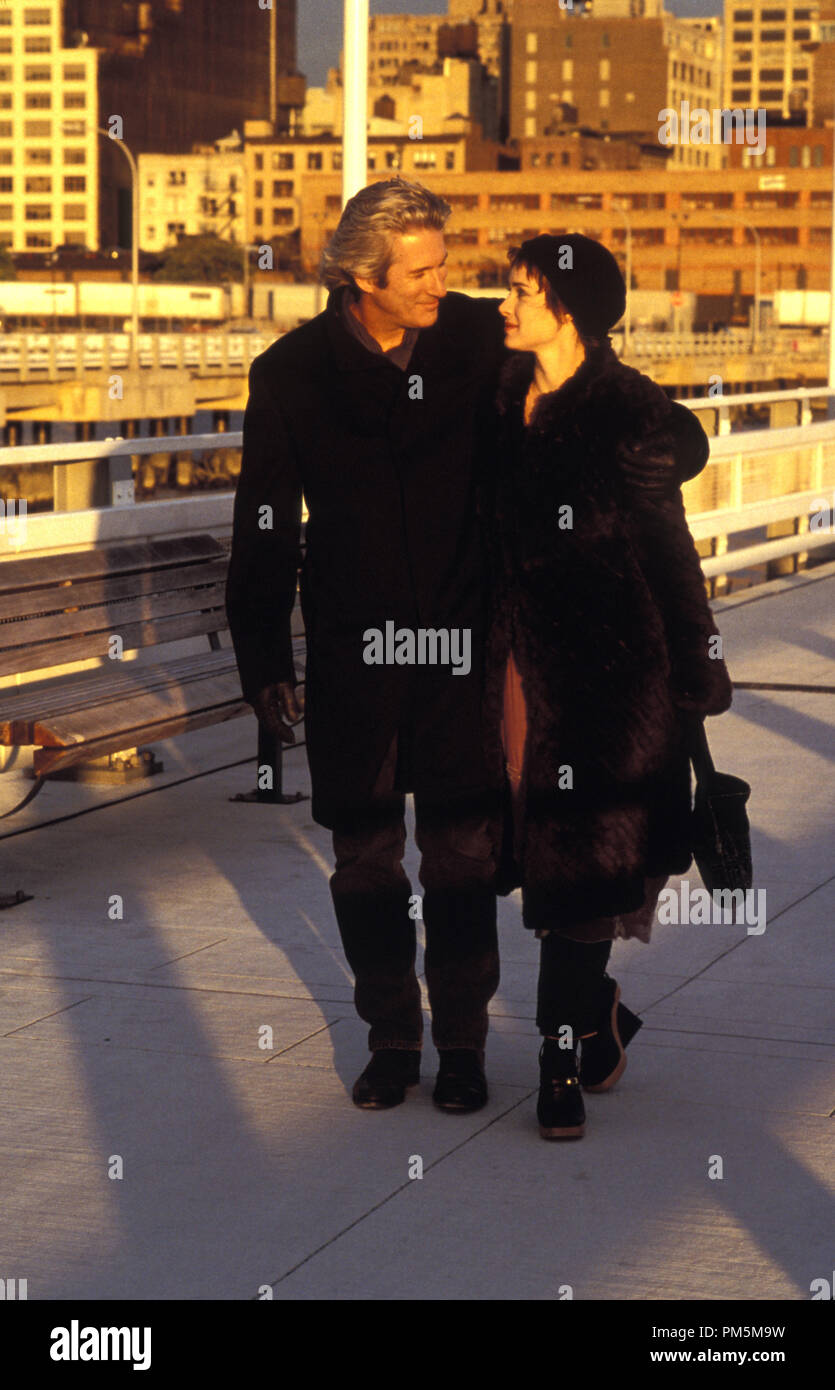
59, 609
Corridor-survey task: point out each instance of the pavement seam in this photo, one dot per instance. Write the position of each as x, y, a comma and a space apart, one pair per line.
401, 1188
52, 1014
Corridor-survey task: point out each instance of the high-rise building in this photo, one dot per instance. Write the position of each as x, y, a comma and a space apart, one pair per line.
48, 140
179, 72
768, 55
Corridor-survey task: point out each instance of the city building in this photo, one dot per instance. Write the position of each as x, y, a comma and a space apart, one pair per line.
280, 174
192, 195
768, 55
620, 73
180, 72
693, 233
48, 141
454, 96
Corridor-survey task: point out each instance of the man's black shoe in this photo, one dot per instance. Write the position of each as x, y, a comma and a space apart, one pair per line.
461, 1083
386, 1078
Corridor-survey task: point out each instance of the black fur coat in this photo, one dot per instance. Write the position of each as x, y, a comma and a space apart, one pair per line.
598, 589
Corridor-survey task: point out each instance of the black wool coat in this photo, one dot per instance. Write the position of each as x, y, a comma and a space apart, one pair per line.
605, 609
388, 462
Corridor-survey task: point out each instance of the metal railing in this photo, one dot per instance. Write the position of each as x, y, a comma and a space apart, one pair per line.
753, 479
28, 356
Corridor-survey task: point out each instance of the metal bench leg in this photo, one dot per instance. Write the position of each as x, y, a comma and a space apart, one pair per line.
270, 761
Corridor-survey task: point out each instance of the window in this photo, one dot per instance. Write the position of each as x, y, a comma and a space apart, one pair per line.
39, 156
531, 41
604, 96
75, 156
176, 178
604, 40
392, 159
259, 161
605, 69
38, 212
336, 159
282, 188
741, 75
5, 19
773, 35
314, 159
35, 239
5, 212
530, 71
743, 35
75, 101
530, 126
285, 159
530, 99
5, 101
75, 212
282, 217
6, 184
771, 94
75, 183
37, 128
817, 156
741, 94
569, 40
773, 14
799, 34
74, 127
259, 217
6, 129
37, 43
38, 101
175, 229
259, 188
74, 72
38, 183
35, 73
743, 16
771, 74
800, 74
5, 157
5, 43
449, 159
568, 69
37, 16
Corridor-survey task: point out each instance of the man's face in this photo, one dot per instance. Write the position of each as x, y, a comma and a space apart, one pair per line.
528, 322
416, 280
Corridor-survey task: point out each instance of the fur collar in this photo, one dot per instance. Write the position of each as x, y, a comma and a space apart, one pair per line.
604, 399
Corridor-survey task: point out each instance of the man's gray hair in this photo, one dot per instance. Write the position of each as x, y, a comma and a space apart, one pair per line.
363, 243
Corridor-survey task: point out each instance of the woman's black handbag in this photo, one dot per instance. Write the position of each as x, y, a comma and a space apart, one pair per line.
720, 833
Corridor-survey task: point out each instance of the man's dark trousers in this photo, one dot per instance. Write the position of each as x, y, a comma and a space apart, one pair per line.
371, 895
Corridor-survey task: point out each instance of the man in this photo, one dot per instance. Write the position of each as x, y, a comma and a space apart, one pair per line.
372, 410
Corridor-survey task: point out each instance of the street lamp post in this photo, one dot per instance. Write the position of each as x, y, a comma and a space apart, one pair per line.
627, 316
134, 259
355, 99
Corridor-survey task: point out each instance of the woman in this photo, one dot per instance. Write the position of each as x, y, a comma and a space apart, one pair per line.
600, 652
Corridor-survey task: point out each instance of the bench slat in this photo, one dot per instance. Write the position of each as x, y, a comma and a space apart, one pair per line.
31, 603
18, 718
78, 565
48, 759
123, 716
134, 635
110, 618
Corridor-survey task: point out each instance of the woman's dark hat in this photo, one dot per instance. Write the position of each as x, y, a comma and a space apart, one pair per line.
583, 275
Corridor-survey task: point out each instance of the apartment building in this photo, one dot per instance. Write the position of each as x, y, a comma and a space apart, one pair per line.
48, 139
620, 73
769, 51
191, 195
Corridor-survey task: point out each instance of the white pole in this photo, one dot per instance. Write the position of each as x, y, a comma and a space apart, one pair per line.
134, 256
355, 99
831, 402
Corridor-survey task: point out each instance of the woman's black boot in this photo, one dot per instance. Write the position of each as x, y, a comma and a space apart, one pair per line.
602, 1056
560, 1108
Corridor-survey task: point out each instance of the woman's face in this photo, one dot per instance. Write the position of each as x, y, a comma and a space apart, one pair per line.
528, 322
